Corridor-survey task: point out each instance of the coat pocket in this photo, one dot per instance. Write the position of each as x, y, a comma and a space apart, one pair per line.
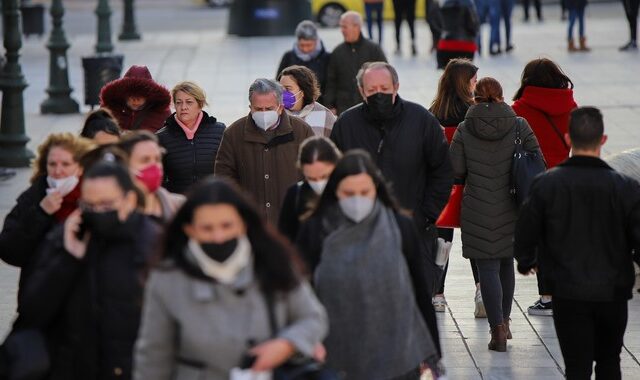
189, 372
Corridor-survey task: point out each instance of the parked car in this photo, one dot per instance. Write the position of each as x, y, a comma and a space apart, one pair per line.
218, 3
328, 12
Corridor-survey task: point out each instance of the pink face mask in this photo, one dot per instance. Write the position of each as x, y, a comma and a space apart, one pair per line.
151, 176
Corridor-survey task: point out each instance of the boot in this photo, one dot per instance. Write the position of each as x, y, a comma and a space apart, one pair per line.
498, 339
507, 329
572, 46
583, 44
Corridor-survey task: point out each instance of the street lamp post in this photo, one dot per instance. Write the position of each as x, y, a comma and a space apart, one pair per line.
129, 29
13, 140
59, 100
103, 11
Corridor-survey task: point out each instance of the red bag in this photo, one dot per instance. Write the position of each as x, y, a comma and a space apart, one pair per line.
450, 215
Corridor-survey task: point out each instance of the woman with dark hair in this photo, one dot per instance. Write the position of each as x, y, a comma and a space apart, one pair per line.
101, 127
317, 159
453, 99
545, 100
52, 196
481, 154
460, 27
300, 99
145, 164
224, 272
86, 291
368, 271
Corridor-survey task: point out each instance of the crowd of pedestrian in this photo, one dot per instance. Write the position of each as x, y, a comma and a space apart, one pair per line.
304, 235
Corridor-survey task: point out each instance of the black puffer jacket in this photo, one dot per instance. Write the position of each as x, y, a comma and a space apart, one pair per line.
482, 154
90, 309
411, 151
188, 161
460, 20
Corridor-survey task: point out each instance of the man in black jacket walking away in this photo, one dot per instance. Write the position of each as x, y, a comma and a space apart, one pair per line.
581, 226
407, 143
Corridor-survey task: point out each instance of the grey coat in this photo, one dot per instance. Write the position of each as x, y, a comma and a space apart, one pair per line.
481, 153
193, 329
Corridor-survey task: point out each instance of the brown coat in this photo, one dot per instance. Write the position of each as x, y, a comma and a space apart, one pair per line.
264, 167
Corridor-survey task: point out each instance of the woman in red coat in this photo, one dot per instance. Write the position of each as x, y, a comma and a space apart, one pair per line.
137, 101
545, 100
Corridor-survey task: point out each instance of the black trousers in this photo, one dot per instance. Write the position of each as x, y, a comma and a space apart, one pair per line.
405, 9
631, 10
537, 4
590, 331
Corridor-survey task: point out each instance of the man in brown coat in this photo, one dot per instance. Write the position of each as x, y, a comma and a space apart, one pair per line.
260, 150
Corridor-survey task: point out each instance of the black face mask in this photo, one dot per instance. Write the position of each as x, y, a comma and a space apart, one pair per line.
101, 223
220, 252
380, 105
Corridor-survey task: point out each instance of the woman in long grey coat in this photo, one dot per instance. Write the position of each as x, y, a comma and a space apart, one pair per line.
481, 153
207, 308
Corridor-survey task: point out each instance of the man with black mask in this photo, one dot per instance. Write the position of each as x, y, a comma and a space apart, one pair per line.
408, 145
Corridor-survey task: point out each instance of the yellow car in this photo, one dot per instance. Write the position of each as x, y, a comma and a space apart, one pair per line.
328, 12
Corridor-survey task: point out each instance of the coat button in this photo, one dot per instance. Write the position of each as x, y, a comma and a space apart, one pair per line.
266, 176
117, 371
268, 204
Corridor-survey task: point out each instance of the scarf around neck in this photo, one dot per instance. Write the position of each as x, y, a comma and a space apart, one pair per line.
227, 271
190, 133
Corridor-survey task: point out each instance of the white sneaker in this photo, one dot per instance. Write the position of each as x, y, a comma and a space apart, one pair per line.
439, 303
480, 311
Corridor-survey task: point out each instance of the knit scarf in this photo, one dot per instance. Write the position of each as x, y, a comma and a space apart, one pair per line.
376, 329
190, 133
69, 204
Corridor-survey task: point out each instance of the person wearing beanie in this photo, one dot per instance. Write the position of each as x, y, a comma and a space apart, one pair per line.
136, 100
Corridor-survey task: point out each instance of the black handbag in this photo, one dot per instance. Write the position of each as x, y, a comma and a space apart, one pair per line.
298, 367
524, 168
25, 356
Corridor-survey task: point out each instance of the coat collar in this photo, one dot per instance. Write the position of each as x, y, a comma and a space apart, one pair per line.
585, 161
252, 133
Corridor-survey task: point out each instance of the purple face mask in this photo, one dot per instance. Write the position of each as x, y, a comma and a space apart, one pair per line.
289, 99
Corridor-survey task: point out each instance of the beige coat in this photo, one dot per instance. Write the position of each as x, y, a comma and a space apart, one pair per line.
264, 166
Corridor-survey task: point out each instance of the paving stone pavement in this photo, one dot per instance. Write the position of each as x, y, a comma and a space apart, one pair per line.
180, 44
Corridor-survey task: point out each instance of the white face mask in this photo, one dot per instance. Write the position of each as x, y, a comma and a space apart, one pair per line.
265, 119
357, 207
318, 186
62, 185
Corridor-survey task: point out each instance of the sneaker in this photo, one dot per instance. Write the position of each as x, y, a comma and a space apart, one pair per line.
480, 311
541, 308
439, 303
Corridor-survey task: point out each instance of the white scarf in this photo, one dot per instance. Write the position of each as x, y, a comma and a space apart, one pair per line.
227, 271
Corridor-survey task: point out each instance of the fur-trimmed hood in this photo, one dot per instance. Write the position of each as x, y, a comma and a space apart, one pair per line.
137, 82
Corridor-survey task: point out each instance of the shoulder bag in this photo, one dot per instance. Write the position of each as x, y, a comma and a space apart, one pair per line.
524, 167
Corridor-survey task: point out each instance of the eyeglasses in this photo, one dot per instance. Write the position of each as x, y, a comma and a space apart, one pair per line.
99, 207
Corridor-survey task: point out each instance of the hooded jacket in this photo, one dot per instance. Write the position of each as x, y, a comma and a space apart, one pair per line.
481, 153
137, 82
541, 107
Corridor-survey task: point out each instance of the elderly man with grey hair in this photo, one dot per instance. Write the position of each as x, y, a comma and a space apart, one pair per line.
408, 145
259, 151
346, 59
308, 51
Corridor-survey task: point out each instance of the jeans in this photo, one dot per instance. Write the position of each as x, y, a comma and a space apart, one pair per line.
495, 13
369, 10
631, 10
506, 8
589, 331
497, 283
576, 14
482, 7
